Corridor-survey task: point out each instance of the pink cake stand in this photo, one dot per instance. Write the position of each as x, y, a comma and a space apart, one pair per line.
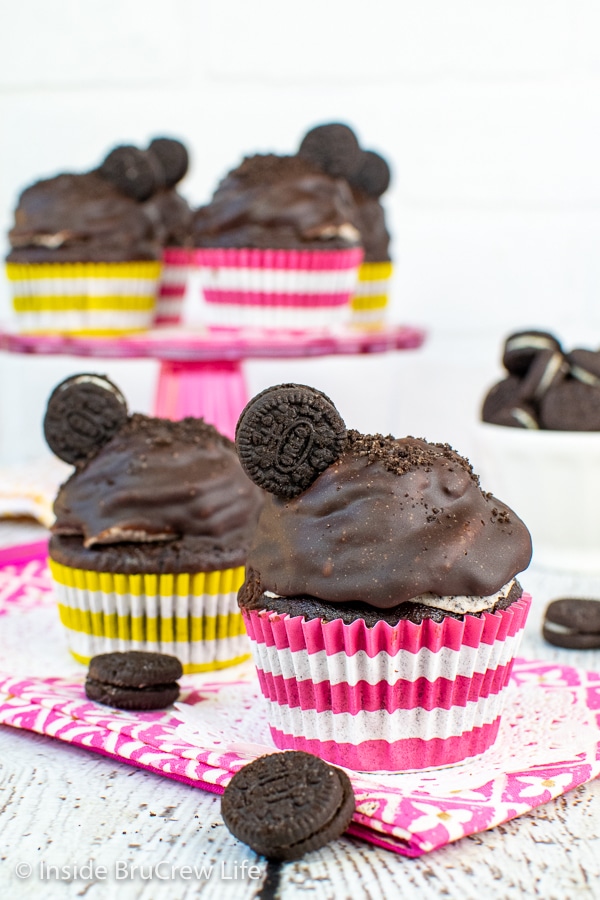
201, 370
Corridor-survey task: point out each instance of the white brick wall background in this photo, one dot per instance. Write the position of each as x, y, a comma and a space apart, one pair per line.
488, 112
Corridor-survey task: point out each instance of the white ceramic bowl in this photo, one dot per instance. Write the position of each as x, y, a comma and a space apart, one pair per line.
551, 479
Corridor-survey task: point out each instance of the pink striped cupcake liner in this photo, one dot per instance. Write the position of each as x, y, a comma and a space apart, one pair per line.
176, 263
303, 289
386, 698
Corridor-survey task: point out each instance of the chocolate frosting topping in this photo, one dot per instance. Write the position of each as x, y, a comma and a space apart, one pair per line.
391, 520
81, 218
280, 202
158, 480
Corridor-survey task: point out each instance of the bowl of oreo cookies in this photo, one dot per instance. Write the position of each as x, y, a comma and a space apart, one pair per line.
539, 442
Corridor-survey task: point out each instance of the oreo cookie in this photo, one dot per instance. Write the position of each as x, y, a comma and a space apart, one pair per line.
333, 148
573, 623
521, 348
585, 366
287, 804
373, 174
135, 680
137, 173
522, 415
173, 157
571, 406
547, 369
503, 405
83, 413
286, 436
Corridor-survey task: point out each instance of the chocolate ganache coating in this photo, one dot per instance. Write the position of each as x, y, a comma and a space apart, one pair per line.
172, 217
281, 202
391, 520
171, 494
81, 218
370, 221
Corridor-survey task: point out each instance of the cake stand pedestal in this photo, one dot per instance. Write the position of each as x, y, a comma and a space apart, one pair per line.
201, 369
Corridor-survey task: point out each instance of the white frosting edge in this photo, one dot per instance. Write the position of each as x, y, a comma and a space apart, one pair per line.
456, 604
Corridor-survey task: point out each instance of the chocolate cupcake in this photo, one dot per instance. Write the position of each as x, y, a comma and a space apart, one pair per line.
277, 246
85, 256
381, 597
149, 544
173, 215
336, 150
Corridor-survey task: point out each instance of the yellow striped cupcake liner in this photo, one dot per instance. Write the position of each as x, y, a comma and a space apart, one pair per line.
84, 298
194, 617
368, 305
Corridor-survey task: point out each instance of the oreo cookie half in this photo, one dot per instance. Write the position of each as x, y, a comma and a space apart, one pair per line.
173, 157
571, 405
501, 402
373, 175
585, 365
83, 413
573, 623
286, 436
521, 347
333, 148
286, 804
135, 679
547, 370
137, 173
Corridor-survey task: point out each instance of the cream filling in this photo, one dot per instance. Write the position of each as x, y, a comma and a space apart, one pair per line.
117, 535
536, 342
464, 604
555, 364
558, 629
461, 605
522, 416
582, 375
347, 232
50, 241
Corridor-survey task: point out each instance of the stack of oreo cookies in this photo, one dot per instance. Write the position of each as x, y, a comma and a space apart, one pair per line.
545, 387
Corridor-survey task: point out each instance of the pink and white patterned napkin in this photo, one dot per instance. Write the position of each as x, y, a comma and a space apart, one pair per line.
549, 740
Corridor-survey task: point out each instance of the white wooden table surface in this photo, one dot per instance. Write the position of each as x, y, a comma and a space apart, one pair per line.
61, 806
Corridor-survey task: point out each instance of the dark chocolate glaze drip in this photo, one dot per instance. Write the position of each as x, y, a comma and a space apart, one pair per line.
391, 520
162, 481
280, 202
81, 218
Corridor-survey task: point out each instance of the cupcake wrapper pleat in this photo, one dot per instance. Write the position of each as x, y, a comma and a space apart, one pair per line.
84, 298
278, 288
386, 698
193, 617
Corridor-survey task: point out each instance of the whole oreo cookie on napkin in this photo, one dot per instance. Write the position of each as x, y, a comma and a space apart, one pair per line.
134, 680
285, 804
573, 623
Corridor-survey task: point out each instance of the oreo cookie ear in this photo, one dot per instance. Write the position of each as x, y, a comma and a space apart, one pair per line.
173, 157
137, 173
333, 148
286, 436
373, 176
83, 413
